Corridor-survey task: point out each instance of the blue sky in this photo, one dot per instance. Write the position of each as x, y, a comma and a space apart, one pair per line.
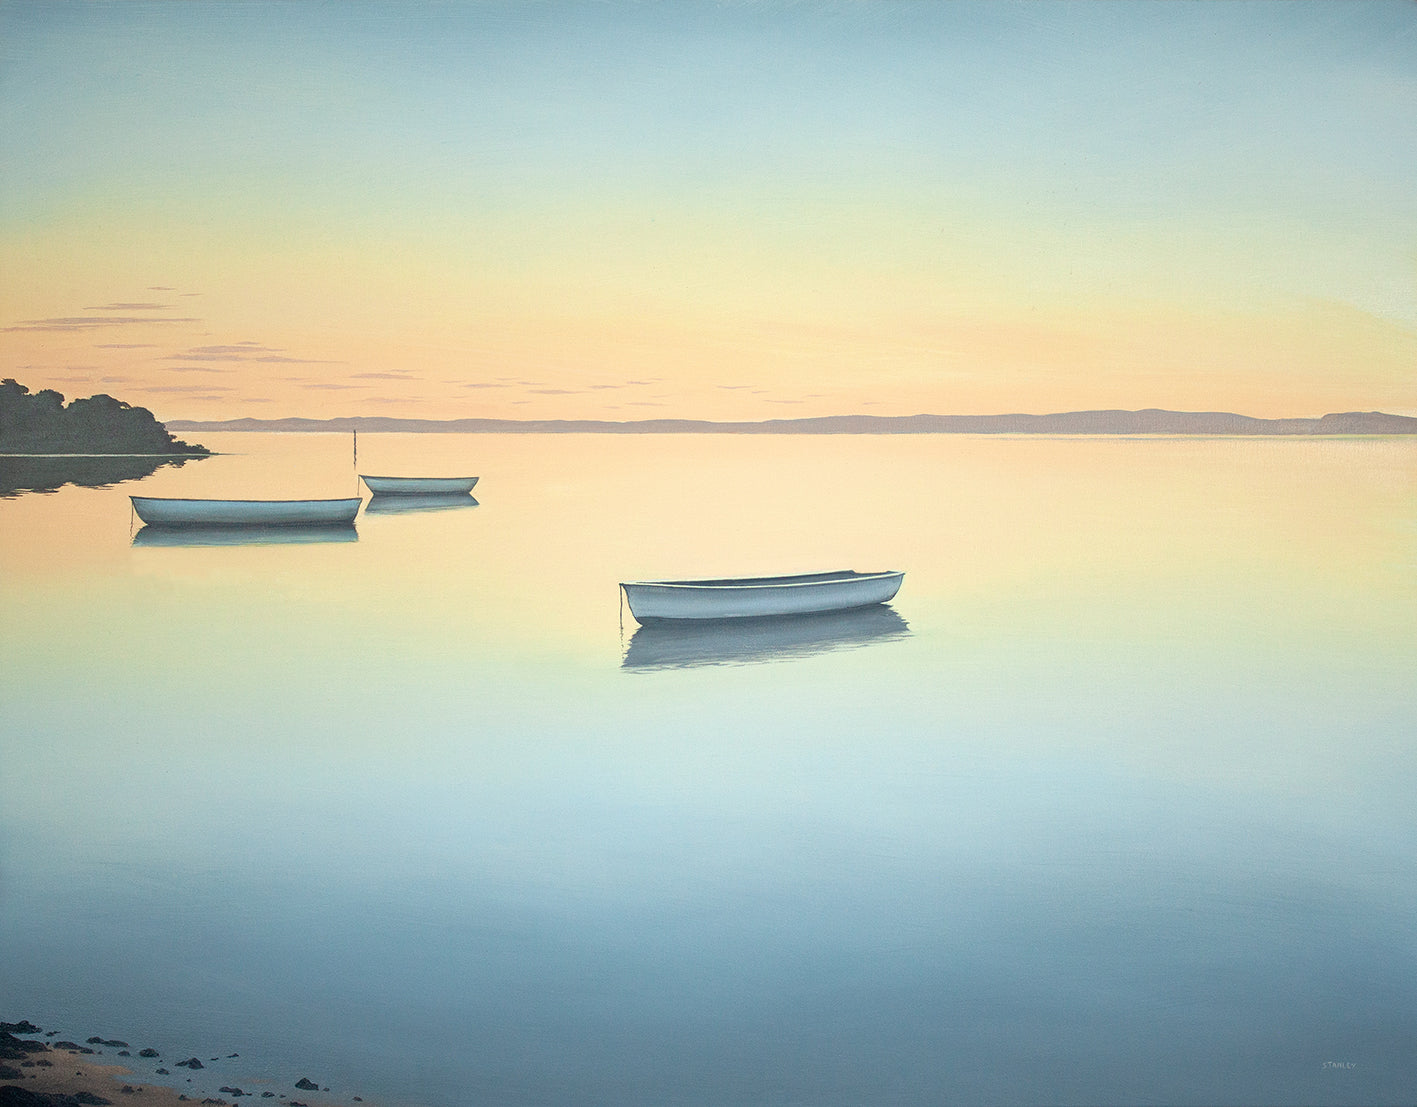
730, 172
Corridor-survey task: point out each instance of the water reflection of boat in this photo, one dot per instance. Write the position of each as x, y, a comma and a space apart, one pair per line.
243, 536
417, 486
160, 512
49, 474
384, 504
687, 644
750, 597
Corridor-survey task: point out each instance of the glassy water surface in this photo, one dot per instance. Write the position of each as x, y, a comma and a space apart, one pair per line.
1112, 804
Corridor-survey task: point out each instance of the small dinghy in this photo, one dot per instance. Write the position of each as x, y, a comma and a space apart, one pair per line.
755, 597
418, 486
159, 512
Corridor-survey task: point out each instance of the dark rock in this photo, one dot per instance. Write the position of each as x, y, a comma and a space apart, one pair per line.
150, 1052
235, 1092
89, 1097
191, 1063
305, 1084
124, 1053
162, 1072
24, 1026
9, 1072
12, 1095
13, 1048
229, 1056
128, 1089
113, 1043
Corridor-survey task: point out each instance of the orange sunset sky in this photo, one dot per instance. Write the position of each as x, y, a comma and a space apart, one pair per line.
705, 210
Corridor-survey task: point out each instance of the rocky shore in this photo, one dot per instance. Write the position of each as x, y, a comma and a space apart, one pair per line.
39, 1069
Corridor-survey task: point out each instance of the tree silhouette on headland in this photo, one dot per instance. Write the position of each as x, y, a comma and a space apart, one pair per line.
41, 423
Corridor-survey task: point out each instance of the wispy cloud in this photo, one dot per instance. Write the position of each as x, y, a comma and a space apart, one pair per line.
93, 322
730, 387
394, 375
160, 288
194, 369
646, 403
125, 346
114, 380
257, 400
484, 384
556, 391
127, 307
181, 388
331, 386
244, 351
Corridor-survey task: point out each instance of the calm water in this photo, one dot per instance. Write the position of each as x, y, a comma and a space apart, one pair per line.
1114, 804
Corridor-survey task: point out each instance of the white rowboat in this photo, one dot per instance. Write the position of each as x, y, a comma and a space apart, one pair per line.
417, 486
754, 597
159, 512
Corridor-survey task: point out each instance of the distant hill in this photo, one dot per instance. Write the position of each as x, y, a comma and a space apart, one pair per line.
1149, 421
41, 423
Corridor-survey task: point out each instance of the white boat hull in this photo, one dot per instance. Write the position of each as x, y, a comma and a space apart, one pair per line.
417, 486
160, 512
755, 597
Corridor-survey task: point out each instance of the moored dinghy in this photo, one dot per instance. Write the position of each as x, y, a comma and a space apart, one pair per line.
418, 486
161, 512
754, 597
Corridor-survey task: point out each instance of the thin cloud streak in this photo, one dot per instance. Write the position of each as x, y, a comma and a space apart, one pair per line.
93, 322
180, 388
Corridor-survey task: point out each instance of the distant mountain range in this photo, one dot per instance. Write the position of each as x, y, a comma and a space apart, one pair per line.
1149, 421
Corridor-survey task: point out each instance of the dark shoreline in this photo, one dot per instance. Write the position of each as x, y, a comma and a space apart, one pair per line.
35, 1071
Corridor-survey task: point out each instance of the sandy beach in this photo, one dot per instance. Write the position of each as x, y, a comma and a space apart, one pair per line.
35, 1072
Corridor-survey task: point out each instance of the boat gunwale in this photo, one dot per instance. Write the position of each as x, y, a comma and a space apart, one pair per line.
796, 580
209, 500
376, 476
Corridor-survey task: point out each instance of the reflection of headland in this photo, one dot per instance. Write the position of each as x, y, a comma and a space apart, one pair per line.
242, 536
49, 474
423, 501
689, 643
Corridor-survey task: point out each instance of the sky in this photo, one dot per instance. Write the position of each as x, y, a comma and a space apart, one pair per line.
726, 210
